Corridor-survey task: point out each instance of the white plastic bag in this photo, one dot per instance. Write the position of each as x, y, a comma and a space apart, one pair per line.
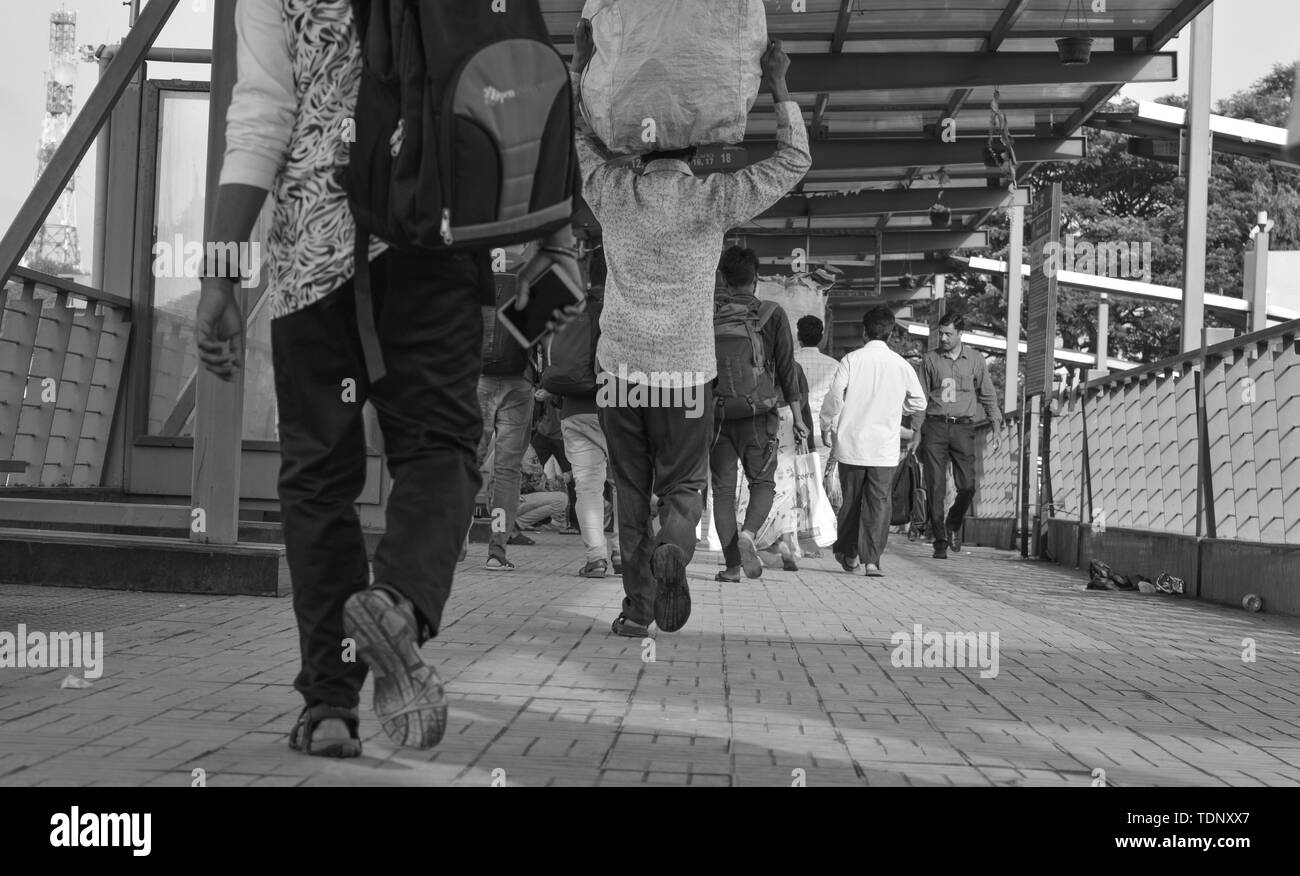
672, 73
816, 517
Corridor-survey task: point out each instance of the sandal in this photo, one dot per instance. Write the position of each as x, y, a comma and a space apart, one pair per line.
300, 737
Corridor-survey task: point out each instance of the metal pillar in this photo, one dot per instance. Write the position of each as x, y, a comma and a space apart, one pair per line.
1199, 145
1257, 273
1015, 297
219, 406
1103, 336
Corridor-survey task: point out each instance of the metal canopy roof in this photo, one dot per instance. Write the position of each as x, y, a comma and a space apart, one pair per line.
881, 75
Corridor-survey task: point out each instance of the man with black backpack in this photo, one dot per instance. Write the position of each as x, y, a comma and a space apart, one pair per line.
377, 267
756, 376
662, 230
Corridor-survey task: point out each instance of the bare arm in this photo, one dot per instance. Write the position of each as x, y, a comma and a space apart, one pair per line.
746, 193
259, 124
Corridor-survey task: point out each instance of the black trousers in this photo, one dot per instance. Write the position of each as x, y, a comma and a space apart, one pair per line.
943, 443
862, 528
753, 441
427, 310
545, 448
663, 448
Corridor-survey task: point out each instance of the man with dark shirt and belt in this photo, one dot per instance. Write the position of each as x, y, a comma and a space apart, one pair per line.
960, 398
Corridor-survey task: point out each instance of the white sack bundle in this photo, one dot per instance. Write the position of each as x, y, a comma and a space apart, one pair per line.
668, 74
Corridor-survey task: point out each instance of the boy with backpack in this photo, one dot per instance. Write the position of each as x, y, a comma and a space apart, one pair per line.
756, 376
662, 230
378, 263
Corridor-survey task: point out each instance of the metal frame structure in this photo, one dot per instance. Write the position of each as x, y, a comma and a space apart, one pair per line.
875, 83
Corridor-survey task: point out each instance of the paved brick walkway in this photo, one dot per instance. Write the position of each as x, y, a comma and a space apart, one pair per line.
792, 673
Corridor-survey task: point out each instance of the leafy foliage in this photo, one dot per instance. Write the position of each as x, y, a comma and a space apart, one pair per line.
1114, 196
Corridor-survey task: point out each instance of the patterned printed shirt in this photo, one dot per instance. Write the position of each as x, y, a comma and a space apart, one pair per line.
299, 66
663, 231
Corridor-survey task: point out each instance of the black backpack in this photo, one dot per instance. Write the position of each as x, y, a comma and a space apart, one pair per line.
571, 353
746, 384
463, 132
502, 355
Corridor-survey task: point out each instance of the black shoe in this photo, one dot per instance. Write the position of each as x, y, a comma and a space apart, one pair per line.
409, 699
672, 596
940, 551
630, 628
617, 562
520, 539
954, 538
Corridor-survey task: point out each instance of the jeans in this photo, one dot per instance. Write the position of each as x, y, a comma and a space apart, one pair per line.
430, 331
664, 449
547, 448
941, 443
754, 442
862, 527
584, 443
536, 507
506, 404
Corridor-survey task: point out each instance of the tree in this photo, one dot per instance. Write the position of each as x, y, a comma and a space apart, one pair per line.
1114, 196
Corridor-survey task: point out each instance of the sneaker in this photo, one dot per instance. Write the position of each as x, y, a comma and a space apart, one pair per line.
622, 626
749, 559
593, 569
940, 551
954, 539
409, 698
520, 539
499, 564
672, 596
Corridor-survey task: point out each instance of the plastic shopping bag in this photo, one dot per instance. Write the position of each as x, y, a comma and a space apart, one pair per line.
831, 481
816, 516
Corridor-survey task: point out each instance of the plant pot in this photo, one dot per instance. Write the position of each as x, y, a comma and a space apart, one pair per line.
994, 156
907, 281
1074, 50
940, 216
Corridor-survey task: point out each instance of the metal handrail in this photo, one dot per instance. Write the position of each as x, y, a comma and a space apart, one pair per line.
99, 296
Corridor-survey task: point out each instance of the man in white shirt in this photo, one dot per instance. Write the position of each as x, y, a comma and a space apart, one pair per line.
817, 367
861, 418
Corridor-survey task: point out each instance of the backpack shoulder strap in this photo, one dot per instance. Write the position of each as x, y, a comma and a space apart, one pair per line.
766, 310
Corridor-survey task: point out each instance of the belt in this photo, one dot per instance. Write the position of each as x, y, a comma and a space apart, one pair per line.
961, 421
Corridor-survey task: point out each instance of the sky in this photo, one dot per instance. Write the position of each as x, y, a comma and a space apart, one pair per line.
1250, 36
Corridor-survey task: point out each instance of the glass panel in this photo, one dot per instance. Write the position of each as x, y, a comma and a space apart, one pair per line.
177, 259
178, 250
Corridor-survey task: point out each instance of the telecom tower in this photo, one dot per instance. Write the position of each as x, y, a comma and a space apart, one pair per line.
55, 248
